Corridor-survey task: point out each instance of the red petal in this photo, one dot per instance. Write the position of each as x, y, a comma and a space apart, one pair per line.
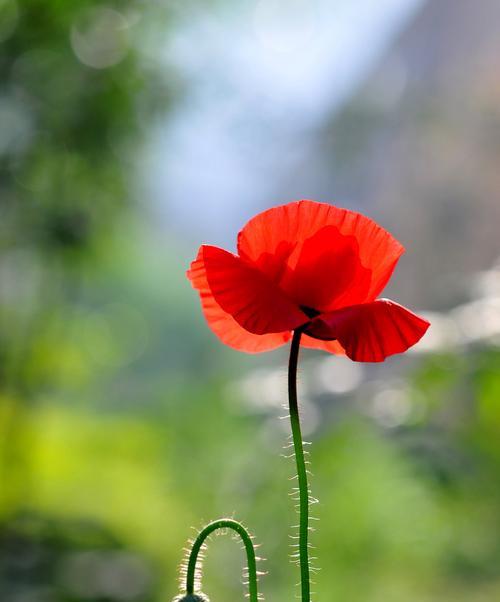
370, 332
330, 346
280, 230
232, 334
276, 236
243, 292
225, 326
328, 274
379, 251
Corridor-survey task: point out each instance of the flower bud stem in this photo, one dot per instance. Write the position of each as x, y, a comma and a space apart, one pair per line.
301, 467
224, 523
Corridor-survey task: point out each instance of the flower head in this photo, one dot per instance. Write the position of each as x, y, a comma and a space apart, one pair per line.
311, 266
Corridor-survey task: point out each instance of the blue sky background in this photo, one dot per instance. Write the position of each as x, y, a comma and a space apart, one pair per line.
260, 79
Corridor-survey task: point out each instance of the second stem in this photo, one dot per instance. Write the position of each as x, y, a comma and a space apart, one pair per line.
301, 468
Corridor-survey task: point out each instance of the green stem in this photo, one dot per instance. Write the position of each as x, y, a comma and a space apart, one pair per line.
224, 523
301, 467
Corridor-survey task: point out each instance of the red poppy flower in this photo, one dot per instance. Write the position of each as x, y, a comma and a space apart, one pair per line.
312, 266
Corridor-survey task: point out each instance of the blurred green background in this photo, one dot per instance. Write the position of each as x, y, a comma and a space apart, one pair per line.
130, 132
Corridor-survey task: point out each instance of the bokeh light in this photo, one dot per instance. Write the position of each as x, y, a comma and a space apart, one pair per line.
99, 38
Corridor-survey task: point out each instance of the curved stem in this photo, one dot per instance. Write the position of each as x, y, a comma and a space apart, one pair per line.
301, 467
224, 523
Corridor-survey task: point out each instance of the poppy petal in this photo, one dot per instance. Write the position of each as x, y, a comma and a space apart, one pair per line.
242, 291
279, 231
225, 327
232, 334
274, 238
379, 251
331, 346
370, 332
328, 274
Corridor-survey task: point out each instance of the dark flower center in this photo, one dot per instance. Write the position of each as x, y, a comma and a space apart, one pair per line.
309, 311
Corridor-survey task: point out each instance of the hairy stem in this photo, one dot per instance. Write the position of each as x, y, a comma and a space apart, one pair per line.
301, 468
224, 523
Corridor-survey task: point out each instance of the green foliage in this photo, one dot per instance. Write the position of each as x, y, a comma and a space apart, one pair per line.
391, 526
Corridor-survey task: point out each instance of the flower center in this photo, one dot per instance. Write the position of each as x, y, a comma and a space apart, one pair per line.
309, 311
